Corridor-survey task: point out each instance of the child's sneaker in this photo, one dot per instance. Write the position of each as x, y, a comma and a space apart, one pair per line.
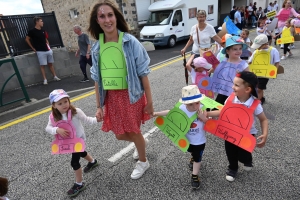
292, 46
90, 166
248, 167
195, 181
230, 175
290, 55
76, 189
191, 163
281, 46
135, 154
283, 57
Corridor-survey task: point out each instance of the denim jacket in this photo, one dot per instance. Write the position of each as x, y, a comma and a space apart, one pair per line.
137, 63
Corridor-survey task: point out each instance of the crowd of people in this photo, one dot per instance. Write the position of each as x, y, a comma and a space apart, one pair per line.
123, 92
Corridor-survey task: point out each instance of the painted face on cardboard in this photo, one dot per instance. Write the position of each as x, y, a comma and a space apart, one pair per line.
235, 51
106, 18
240, 89
192, 107
62, 105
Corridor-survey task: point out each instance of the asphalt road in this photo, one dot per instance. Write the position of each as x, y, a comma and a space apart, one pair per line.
35, 174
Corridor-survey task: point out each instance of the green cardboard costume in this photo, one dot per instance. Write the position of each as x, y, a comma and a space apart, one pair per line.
175, 126
113, 66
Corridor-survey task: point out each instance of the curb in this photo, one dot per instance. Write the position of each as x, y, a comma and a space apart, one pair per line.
35, 105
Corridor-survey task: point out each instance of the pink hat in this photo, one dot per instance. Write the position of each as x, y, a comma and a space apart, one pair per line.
202, 62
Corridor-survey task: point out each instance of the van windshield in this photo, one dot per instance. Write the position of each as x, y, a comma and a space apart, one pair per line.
159, 17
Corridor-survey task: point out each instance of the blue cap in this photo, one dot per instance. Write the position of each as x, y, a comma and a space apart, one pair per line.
234, 40
57, 95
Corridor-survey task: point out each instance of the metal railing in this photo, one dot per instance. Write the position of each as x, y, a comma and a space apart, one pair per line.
14, 28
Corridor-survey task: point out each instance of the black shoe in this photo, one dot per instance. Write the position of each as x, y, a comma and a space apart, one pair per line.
90, 166
263, 99
84, 80
195, 181
76, 189
191, 163
230, 175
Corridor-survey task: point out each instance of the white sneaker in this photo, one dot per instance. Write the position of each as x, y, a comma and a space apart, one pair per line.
247, 169
135, 154
290, 55
281, 46
292, 46
253, 26
283, 57
45, 82
140, 169
56, 78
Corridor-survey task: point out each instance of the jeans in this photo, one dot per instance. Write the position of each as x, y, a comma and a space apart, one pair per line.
253, 19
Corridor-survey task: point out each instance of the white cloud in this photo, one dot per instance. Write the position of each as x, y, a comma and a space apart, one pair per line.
17, 7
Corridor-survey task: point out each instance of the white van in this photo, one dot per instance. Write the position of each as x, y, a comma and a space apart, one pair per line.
171, 20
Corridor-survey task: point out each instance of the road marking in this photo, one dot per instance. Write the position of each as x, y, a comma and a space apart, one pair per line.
41, 112
131, 146
168, 63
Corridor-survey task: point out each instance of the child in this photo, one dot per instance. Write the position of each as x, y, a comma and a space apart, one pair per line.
245, 36
61, 107
201, 65
244, 93
261, 44
190, 105
3, 188
220, 55
286, 46
233, 51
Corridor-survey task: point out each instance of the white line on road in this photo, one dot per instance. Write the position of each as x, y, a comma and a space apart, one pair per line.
131, 146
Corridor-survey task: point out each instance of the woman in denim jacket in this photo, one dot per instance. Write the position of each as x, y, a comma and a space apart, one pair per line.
120, 69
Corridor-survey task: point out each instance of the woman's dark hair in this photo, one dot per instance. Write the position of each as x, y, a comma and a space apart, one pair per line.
95, 29
57, 115
3, 186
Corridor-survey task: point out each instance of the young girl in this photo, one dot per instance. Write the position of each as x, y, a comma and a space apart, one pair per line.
243, 93
220, 55
3, 188
62, 110
245, 36
201, 67
286, 46
228, 68
191, 105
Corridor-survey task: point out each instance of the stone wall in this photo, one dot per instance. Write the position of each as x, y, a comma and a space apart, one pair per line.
65, 22
30, 72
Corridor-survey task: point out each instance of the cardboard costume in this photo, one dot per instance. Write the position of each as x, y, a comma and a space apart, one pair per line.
113, 65
69, 144
234, 124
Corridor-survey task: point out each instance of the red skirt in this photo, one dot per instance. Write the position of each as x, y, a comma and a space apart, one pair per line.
122, 117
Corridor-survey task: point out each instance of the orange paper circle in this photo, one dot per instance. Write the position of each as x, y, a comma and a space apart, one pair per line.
272, 73
182, 143
208, 54
245, 142
204, 83
210, 125
209, 93
160, 121
219, 107
54, 148
279, 41
78, 147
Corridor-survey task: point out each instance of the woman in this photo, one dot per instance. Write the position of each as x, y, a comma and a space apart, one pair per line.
285, 13
123, 93
246, 16
201, 35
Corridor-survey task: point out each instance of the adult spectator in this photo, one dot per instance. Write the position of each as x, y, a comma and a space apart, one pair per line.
201, 35
251, 15
275, 6
285, 13
242, 10
232, 12
246, 16
260, 13
84, 50
270, 7
37, 39
238, 18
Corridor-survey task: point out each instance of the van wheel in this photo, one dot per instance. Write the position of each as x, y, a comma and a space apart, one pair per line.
172, 41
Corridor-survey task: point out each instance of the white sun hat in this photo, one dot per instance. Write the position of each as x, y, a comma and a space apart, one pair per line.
190, 94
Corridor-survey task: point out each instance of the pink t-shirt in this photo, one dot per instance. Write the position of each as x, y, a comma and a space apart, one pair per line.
285, 14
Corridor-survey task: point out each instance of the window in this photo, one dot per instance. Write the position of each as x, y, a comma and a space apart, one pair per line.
73, 13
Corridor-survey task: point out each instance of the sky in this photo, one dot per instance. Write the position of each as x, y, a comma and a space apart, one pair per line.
16, 7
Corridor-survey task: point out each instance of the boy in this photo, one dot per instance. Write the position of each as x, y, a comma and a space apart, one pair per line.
190, 106
244, 93
261, 43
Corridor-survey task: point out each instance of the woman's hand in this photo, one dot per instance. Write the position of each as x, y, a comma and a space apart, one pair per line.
99, 114
182, 51
149, 109
62, 132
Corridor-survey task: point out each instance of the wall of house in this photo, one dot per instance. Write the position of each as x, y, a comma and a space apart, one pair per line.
66, 22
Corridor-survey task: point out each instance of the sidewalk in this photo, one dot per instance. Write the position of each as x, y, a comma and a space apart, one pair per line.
38, 95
